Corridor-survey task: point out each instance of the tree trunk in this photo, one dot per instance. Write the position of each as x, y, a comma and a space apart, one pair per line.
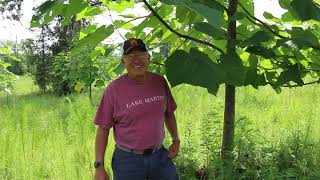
43, 61
229, 111
90, 88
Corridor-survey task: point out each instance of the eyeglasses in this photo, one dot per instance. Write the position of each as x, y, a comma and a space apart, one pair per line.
137, 55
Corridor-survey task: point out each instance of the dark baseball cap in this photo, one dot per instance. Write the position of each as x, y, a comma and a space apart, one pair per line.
133, 43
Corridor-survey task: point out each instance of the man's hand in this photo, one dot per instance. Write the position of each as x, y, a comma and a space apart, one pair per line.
101, 174
174, 149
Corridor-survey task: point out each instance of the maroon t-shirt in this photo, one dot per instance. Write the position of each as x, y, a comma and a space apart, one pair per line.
136, 111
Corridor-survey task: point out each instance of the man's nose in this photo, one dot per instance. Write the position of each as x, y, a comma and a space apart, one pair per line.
136, 59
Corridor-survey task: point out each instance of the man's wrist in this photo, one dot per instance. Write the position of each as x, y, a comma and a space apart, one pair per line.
98, 164
175, 140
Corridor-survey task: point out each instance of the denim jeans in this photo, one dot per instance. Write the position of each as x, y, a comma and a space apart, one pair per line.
130, 166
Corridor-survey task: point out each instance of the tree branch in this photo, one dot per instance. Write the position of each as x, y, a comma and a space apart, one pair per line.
137, 19
304, 84
116, 28
179, 34
153, 62
262, 23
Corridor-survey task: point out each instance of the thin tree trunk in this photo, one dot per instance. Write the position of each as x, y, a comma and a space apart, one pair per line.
229, 111
90, 88
43, 61
90, 92
7, 99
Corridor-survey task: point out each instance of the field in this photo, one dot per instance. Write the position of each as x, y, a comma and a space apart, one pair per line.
277, 135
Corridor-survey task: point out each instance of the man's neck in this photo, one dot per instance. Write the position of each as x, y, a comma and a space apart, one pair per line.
140, 79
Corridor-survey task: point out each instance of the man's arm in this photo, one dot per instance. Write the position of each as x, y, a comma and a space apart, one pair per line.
100, 148
101, 142
171, 125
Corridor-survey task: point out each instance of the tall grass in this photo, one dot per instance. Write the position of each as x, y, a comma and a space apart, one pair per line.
277, 136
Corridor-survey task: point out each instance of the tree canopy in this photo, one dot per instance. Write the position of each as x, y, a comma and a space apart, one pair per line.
282, 52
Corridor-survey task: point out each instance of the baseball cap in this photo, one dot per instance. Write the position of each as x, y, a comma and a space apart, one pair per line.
133, 43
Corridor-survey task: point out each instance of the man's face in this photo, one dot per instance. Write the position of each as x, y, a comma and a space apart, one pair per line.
136, 62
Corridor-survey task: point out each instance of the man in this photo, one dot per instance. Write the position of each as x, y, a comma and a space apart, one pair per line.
137, 105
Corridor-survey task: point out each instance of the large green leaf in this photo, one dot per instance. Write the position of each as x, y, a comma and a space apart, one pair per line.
216, 33
304, 38
293, 73
287, 17
186, 16
249, 5
213, 14
212, 3
5, 51
149, 22
4, 64
49, 9
88, 30
120, 6
89, 12
306, 9
268, 15
257, 38
238, 16
122, 24
261, 51
93, 39
74, 7
165, 11
235, 71
253, 78
194, 68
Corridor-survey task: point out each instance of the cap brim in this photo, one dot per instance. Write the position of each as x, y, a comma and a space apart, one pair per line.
134, 47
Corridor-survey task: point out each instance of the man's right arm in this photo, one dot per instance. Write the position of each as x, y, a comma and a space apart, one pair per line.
100, 148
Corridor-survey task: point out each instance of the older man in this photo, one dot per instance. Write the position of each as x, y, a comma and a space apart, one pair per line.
137, 106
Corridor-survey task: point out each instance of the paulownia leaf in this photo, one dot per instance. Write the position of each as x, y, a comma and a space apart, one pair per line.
5, 51
257, 38
235, 71
291, 74
194, 68
306, 9
94, 38
261, 51
213, 14
212, 31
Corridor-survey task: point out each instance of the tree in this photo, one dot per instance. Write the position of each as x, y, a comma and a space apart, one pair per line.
208, 49
7, 78
11, 9
43, 59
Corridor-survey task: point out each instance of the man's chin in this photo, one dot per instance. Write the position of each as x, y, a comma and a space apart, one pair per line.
139, 73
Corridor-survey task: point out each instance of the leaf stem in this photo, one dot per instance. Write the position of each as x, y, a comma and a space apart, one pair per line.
261, 22
179, 34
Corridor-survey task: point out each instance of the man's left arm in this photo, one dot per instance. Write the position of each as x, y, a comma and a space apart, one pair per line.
171, 125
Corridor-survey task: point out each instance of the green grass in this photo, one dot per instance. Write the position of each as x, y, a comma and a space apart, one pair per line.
47, 137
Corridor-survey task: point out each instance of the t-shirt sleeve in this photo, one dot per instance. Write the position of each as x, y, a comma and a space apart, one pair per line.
104, 114
171, 105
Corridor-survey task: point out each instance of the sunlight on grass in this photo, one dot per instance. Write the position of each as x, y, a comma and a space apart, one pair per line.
46, 137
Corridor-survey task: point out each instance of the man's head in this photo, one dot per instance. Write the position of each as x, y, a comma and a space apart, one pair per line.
132, 44
135, 57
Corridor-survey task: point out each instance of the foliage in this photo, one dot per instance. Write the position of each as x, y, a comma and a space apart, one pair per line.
266, 54
7, 78
43, 59
11, 9
79, 71
17, 66
60, 130
281, 53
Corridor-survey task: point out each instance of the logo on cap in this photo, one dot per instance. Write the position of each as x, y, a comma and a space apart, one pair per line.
133, 42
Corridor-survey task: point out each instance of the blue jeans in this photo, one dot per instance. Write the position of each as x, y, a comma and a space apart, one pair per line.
130, 166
